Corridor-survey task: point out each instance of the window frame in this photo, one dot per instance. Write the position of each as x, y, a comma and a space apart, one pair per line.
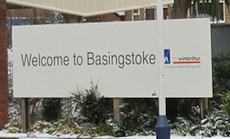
135, 14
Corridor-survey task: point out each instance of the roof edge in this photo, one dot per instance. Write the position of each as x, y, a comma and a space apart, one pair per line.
85, 14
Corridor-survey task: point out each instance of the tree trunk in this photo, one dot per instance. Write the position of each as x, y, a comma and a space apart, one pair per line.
4, 102
181, 8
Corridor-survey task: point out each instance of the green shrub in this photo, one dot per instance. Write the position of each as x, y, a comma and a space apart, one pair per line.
139, 115
221, 83
92, 107
51, 109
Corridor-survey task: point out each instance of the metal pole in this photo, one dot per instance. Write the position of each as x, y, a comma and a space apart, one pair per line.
162, 126
162, 102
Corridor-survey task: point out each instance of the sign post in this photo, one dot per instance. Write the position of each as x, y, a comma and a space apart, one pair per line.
162, 126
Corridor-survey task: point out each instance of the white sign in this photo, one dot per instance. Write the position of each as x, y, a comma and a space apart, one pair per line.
120, 57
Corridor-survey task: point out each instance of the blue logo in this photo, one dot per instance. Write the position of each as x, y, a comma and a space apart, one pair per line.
167, 56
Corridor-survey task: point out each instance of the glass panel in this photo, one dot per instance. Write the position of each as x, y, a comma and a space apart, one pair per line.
150, 14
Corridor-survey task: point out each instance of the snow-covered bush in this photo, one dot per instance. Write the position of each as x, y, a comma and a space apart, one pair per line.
182, 126
216, 123
63, 127
13, 127
41, 126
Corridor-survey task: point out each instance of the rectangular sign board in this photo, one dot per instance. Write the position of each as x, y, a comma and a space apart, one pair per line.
120, 57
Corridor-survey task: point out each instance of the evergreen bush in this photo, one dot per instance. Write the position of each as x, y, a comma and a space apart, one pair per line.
139, 115
92, 107
51, 109
221, 83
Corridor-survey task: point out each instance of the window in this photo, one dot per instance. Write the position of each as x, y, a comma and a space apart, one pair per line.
17, 21
206, 11
165, 13
136, 15
150, 14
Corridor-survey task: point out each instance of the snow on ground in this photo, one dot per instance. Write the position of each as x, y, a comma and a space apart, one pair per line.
46, 136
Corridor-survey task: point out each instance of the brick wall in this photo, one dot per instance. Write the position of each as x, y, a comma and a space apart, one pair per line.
142, 14
29, 13
128, 15
110, 17
4, 117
